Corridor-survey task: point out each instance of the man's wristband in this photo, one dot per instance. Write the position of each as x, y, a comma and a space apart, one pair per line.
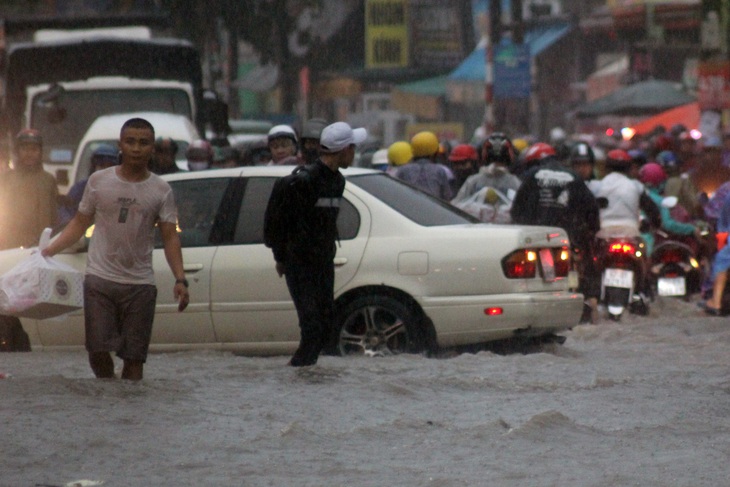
182, 281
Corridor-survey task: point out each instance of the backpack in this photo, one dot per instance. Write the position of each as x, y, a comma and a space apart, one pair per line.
276, 217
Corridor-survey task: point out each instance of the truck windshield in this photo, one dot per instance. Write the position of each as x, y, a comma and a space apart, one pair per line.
64, 121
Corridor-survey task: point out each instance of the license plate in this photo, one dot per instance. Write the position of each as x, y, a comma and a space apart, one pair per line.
618, 278
671, 286
548, 265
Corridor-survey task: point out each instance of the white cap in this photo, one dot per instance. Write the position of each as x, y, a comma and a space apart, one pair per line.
339, 136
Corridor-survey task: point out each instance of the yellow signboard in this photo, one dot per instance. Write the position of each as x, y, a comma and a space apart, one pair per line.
386, 34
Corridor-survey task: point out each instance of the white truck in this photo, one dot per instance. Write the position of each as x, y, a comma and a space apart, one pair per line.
61, 84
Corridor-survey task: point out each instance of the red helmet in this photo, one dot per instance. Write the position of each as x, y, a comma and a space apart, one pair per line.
539, 151
652, 174
463, 152
618, 159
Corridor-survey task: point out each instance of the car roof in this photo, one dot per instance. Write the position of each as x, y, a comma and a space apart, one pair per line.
168, 123
255, 171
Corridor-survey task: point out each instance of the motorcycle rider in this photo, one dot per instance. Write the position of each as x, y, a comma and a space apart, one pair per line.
621, 200
463, 162
423, 171
680, 184
498, 155
654, 177
623, 197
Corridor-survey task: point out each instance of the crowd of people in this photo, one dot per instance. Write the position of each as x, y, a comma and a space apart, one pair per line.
562, 182
594, 192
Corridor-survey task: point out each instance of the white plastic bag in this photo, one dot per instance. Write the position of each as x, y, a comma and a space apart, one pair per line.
40, 287
489, 205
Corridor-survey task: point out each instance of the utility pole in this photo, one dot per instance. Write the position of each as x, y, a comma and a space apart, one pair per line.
497, 26
493, 38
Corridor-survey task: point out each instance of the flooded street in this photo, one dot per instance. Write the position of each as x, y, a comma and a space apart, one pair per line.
645, 402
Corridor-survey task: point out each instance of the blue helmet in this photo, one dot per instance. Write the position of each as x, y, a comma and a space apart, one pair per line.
667, 159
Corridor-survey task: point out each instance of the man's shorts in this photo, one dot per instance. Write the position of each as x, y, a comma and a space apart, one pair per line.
118, 317
721, 262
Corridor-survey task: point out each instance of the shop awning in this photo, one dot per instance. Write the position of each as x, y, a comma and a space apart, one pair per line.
688, 115
644, 98
538, 39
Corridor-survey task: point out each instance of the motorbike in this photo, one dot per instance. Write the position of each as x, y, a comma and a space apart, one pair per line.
674, 269
623, 264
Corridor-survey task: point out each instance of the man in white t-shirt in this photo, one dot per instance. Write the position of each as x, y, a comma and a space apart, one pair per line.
124, 203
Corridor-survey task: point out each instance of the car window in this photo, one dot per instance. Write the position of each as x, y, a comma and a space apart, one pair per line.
250, 228
198, 202
410, 202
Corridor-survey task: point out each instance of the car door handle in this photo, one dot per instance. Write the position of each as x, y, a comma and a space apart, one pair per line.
340, 261
193, 268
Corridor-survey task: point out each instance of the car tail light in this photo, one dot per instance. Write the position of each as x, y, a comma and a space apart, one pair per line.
561, 258
622, 248
495, 311
520, 264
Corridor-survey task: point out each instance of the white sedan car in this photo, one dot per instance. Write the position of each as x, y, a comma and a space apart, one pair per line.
413, 273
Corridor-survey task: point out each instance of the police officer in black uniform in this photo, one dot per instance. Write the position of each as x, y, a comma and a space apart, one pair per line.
305, 254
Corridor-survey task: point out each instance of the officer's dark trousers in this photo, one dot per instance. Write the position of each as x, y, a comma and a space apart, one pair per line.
312, 290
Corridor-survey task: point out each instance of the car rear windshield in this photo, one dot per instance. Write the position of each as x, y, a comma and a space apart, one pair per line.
410, 202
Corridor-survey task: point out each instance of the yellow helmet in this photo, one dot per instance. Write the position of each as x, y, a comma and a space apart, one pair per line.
424, 144
519, 145
399, 153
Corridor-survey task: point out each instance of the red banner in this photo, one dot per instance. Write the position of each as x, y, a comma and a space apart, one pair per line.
713, 85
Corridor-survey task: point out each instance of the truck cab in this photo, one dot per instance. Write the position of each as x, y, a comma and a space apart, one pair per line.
64, 111
61, 86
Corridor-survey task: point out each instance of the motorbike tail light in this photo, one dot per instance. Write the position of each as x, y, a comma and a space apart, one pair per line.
622, 248
671, 257
561, 258
520, 264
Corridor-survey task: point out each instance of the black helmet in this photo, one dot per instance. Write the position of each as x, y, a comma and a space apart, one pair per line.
498, 148
312, 128
29, 136
582, 152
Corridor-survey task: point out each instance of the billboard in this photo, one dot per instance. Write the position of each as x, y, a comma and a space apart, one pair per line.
386, 34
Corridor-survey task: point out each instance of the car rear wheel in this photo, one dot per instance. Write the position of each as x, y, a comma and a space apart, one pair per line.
377, 326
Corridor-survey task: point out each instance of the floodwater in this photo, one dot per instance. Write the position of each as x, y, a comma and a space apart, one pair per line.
645, 402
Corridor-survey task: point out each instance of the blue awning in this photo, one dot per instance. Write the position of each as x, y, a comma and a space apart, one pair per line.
538, 39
